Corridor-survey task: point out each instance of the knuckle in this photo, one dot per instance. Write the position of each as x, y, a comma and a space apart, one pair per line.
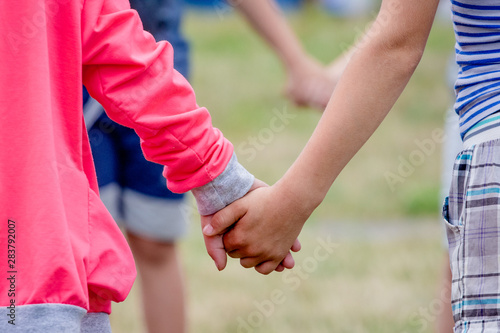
233, 254
218, 220
263, 270
243, 252
252, 251
238, 240
230, 242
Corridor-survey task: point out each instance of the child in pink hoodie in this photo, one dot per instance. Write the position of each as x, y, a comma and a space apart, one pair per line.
63, 259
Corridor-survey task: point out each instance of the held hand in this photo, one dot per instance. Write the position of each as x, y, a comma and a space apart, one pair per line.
269, 222
310, 84
216, 250
214, 244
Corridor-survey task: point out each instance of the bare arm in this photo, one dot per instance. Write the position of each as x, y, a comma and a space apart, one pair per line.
269, 22
376, 75
271, 218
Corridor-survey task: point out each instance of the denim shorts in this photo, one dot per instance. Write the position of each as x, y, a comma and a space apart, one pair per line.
133, 189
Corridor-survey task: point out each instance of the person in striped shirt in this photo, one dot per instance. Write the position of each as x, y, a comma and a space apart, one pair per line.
270, 219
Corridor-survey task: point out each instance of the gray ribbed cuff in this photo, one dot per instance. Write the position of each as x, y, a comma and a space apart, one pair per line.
233, 183
53, 318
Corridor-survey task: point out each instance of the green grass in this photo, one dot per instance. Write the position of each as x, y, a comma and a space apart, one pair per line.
375, 281
367, 284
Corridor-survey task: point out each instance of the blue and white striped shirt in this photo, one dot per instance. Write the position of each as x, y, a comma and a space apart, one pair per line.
477, 30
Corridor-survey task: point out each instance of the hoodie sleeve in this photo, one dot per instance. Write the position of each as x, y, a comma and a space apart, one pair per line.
133, 78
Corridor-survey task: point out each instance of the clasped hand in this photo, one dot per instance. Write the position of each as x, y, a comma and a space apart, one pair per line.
260, 229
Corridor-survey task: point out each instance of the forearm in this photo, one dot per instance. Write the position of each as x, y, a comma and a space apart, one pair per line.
373, 80
138, 87
265, 17
351, 117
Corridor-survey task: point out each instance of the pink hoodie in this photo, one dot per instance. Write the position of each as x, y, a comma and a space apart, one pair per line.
68, 250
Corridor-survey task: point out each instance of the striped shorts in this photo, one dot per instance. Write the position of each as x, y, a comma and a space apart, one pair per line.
472, 215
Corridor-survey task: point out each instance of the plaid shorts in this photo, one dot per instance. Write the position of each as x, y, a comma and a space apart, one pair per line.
472, 214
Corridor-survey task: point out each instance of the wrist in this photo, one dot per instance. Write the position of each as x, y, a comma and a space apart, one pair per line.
298, 197
304, 68
233, 183
300, 62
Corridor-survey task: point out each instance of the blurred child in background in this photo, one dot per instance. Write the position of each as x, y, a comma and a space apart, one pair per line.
348, 8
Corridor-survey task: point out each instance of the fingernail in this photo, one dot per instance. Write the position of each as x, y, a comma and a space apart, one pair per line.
208, 230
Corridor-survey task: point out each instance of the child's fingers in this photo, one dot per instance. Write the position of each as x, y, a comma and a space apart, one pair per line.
288, 262
266, 267
214, 245
280, 268
256, 262
240, 251
235, 245
250, 262
237, 241
236, 254
215, 249
224, 219
296, 246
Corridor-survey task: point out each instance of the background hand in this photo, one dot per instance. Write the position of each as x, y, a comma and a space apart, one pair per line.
310, 84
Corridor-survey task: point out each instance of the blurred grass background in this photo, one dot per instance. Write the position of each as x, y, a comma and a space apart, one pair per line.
383, 274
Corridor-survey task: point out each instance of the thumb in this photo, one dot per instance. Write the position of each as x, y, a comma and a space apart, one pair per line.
224, 219
296, 246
